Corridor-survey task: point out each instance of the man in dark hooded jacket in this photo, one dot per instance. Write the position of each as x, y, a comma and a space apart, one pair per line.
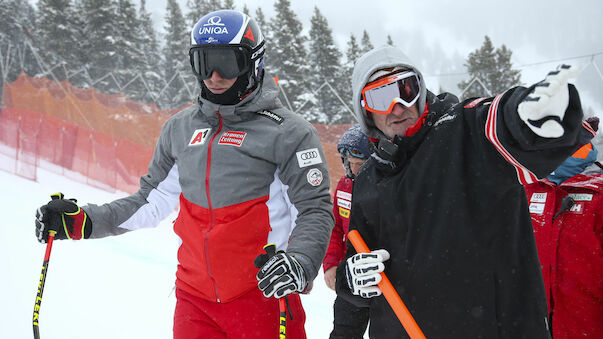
441, 202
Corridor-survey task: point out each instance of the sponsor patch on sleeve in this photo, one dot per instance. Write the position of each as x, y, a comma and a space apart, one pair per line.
308, 157
581, 196
536, 208
272, 116
344, 203
344, 212
200, 137
232, 138
344, 195
538, 197
444, 118
314, 177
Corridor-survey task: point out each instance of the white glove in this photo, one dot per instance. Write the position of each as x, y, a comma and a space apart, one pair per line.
363, 272
544, 108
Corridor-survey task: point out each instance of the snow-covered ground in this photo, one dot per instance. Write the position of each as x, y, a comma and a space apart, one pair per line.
117, 287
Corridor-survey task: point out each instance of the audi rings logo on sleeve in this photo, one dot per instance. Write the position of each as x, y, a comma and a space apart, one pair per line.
308, 157
314, 177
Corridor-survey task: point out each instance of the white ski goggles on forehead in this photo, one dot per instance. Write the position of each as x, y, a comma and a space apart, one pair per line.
381, 96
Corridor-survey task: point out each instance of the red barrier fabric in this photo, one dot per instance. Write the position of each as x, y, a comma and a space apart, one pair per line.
103, 140
29, 140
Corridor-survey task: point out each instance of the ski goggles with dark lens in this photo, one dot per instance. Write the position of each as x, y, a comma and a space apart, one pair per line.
381, 95
229, 61
345, 151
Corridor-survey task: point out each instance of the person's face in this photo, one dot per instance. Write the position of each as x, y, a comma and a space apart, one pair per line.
397, 121
355, 164
218, 85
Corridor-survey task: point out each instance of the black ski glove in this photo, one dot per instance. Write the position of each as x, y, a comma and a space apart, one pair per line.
64, 217
280, 274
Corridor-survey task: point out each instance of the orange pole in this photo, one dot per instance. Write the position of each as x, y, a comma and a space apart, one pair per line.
390, 294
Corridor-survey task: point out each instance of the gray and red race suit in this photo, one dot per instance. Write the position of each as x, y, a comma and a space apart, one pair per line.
245, 175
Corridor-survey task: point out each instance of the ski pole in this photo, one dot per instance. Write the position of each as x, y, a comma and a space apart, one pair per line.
282, 307
262, 259
390, 294
36, 312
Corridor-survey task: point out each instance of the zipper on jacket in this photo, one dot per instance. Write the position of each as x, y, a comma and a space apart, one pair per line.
211, 211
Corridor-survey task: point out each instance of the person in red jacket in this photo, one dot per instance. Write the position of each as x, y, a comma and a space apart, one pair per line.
567, 216
349, 321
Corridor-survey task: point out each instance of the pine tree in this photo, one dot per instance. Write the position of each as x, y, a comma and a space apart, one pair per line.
390, 42
491, 68
16, 28
260, 18
128, 44
505, 77
196, 10
246, 9
176, 69
326, 61
215, 5
287, 54
365, 42
56, 36
151, 64
228, 4
79, 74
352, 53
101, 34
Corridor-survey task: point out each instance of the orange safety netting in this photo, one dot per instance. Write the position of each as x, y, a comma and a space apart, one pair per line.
31, 139
114, 115
108, 139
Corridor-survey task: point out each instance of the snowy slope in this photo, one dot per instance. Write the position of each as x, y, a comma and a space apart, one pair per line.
118, 287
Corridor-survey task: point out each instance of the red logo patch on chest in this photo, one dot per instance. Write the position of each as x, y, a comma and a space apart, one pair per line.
232, 138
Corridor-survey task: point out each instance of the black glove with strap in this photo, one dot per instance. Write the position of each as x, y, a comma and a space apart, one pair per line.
280, 274
64, 217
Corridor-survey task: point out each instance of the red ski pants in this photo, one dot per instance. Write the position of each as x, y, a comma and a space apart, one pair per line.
250, 316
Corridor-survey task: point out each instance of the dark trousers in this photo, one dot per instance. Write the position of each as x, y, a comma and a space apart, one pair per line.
349, 321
